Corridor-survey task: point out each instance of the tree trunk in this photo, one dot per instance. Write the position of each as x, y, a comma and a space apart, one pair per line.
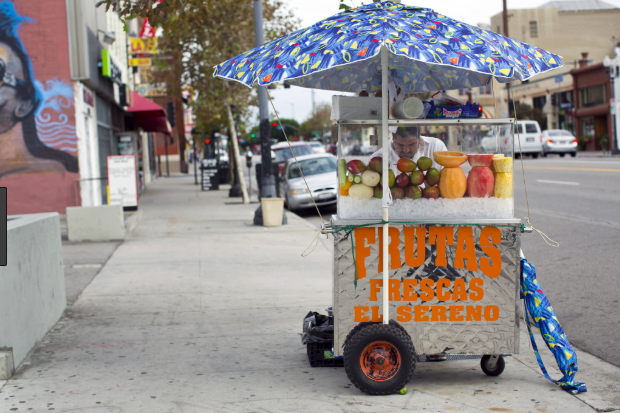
237, 158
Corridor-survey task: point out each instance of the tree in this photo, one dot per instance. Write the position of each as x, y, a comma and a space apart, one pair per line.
200, 34
318, 123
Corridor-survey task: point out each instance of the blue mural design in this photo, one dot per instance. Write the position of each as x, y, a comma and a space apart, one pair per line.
46, 132
428, 52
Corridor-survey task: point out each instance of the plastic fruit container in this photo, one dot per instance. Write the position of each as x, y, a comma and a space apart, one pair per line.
480, 159
450, 159
502, 164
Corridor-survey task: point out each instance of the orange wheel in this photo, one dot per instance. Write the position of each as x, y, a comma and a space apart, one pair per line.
379, 358
380, 361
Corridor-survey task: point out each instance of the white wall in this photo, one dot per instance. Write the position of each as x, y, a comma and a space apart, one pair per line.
88, 151
32, 285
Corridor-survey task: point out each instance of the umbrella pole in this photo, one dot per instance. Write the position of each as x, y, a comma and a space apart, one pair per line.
386, 186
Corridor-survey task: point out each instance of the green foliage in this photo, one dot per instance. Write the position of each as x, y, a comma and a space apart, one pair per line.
318, 123
200, 34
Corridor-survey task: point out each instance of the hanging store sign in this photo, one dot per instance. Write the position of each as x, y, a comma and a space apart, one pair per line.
109, 68
148, 46
152, 90
140, 61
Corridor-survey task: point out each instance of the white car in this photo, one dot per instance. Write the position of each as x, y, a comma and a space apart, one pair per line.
559, 141
528, 135
317, 147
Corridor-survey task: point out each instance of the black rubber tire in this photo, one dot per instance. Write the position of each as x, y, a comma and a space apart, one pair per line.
561, 156
573, 154
535, 155
368, 334
544, 154
499, 367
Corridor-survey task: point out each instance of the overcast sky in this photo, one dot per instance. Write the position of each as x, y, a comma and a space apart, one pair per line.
299, 101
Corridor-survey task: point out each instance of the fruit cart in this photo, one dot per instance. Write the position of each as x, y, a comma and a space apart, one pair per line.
453, 278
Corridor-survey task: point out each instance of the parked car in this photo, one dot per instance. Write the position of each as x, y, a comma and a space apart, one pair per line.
333, 149
317, 147
488, 144
559, 141
282, 152
321, 176
528, 134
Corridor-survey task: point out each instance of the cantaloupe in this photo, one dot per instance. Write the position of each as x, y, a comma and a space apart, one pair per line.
452, 183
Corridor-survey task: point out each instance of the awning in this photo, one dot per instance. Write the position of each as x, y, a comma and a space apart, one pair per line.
148, 115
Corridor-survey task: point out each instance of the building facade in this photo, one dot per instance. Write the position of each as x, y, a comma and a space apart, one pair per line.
66, 105
567, 28
592, 93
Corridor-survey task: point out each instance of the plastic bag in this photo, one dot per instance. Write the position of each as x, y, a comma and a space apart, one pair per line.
318, 328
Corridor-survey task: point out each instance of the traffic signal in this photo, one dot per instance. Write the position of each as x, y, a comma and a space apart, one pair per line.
253, 135
208, 141
171, 114
274, 124
553, 100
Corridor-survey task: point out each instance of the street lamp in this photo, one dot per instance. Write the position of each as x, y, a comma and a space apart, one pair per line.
613, 71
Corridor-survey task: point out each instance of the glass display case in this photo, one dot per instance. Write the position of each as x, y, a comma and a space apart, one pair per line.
443, 168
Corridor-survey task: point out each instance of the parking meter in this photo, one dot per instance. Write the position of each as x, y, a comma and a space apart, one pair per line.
248, 159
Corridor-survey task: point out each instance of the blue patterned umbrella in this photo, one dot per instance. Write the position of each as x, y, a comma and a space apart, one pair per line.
427, 52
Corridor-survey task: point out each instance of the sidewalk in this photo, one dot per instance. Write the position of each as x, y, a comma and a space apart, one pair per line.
200, 311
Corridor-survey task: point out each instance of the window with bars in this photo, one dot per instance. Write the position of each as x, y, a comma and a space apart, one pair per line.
533, 29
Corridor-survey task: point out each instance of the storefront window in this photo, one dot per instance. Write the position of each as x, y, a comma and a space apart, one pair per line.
592, 96
587, 127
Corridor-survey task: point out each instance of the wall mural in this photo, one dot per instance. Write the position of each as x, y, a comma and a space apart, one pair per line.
38, 142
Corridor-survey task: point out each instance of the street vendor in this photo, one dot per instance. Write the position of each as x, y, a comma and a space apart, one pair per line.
407, 143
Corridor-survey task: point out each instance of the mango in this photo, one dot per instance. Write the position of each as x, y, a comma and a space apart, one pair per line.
432, 176
503, 185
376, 164
406, 165
397, 193
391, 178
431, 192
416, 178
402, 180
424, 163
413, 192
356, 166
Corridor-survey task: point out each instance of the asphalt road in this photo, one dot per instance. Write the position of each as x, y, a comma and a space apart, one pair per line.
576, 202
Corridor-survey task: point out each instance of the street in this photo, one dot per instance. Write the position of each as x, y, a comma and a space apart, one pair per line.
575, 202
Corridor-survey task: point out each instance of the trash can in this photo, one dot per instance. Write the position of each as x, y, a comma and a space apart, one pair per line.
273, 209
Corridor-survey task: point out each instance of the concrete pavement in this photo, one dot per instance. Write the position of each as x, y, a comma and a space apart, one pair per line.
200, 311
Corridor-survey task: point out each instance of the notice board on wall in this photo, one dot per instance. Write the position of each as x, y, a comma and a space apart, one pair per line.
122, 180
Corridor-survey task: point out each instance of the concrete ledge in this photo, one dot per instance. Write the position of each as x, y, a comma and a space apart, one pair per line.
6, 364
32, 286
100, 223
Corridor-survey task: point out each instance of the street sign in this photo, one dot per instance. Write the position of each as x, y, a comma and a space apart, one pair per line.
558, 79
151, 90
138, 45
140, 61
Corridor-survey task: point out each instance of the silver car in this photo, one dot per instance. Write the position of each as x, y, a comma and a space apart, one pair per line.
320, 172
559, 141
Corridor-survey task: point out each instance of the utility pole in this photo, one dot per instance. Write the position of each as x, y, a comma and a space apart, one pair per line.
267, 180
505, 17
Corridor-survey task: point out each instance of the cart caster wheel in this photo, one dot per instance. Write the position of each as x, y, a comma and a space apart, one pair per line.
486, 365
379, 358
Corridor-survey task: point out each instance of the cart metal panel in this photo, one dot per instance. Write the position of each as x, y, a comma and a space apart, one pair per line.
500, 335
